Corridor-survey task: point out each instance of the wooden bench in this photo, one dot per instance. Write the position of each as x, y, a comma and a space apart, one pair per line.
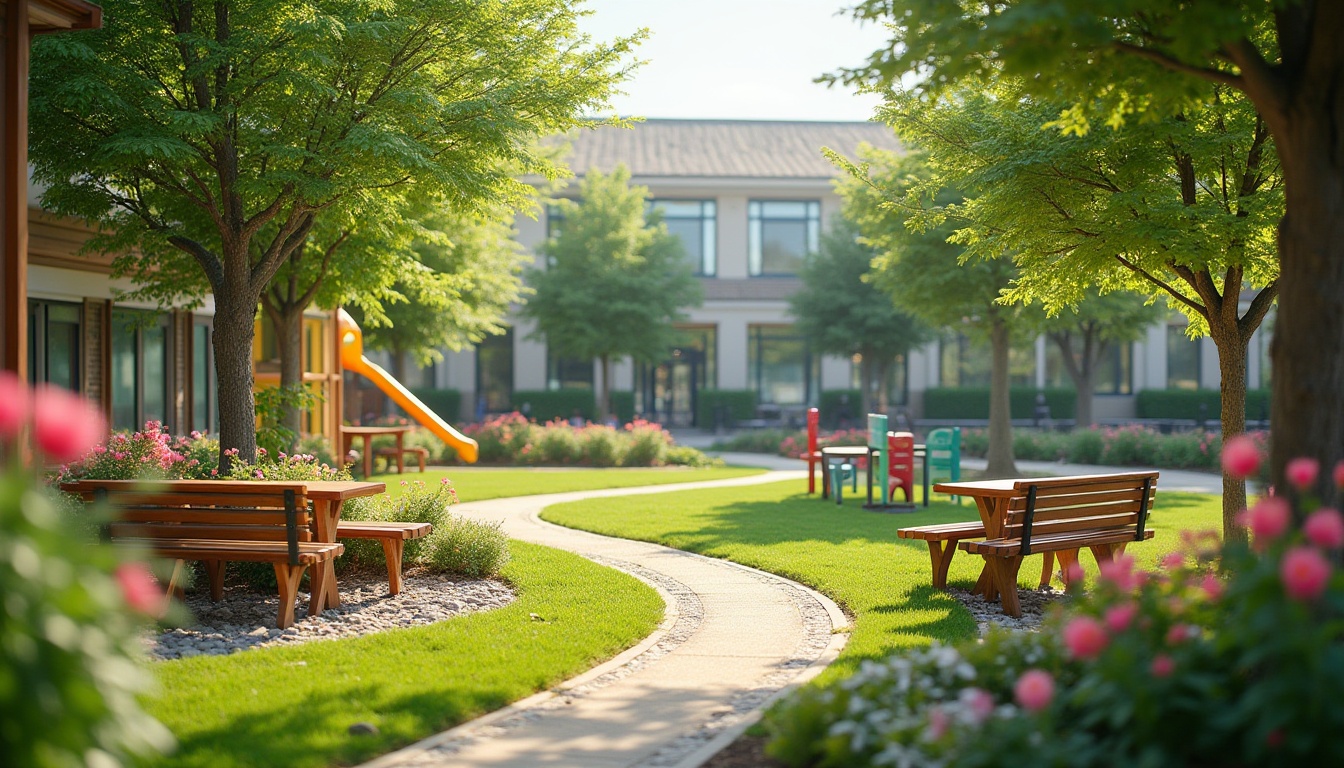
393, 536
229, 521
421, 456
943, 540
1061, 516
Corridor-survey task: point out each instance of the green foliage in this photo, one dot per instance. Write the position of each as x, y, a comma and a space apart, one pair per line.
319, 447
550, 404
447, 403
1185, 404
761, 441
147, 453
283, 466
467, 547
273, 403
973, 402
1131, 446
416, 502
511, 439
623, 406
614, 282
829, 407
740, 405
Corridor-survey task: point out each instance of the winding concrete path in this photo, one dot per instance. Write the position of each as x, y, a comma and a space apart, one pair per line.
733, 639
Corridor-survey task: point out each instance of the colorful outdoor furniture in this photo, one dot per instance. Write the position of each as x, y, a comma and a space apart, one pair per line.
812, 455
943, 447
838, 470
877, 444
901, 465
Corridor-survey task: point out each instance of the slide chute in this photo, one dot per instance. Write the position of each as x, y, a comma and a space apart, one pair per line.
353, 359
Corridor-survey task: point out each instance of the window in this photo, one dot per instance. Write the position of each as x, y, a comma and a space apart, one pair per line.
897, 383
204, 405
555, 219
780, 234
1183, 360
494, 373
139, 368
1266, 334
568, 372
54, 333
1113, 375
967, 363
780, 366
694, 223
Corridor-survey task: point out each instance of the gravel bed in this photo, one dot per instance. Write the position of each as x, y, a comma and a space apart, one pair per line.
1036, 604
246, 619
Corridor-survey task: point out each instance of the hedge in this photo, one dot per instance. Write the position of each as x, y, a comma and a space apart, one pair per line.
447, 403
548, 404
829, 406
973, 402
741, 404
1185, 404
623, 403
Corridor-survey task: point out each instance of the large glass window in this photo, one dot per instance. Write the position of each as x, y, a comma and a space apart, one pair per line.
494, 373
780, 234
204, 407
54, 333
1183, 361
568, 372
897, 383
780, 366
1113, 375
967, 363
694, 223
139, 368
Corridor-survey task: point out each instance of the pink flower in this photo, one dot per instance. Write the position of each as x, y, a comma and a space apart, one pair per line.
139, 589
1118, 617
1173, 560
1268, 519
13, 405
1339, 475
1085, 637
1073, 573
1119, 571
1240, 456
938, 723
1162, 666
1034, 690
979, 702
1302, 472
65, 425
1179, 633
1305, 573
1212, 587
1325, 528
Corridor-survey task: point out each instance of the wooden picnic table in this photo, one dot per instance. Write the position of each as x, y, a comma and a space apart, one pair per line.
348, 435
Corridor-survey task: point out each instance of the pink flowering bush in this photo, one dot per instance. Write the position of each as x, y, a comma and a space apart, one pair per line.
1132, 445
512, 439
1228, 655
149, 453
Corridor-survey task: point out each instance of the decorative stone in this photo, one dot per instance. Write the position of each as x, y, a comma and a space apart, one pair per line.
363, 729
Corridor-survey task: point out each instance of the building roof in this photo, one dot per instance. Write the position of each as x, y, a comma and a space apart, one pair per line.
748, 149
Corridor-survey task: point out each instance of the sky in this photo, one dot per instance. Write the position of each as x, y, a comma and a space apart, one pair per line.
738, 59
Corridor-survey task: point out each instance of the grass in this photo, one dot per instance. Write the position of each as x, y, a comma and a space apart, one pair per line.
850, 554
292, 706
482, 483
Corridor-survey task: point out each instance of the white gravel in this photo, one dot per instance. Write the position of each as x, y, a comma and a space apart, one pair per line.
1036, 605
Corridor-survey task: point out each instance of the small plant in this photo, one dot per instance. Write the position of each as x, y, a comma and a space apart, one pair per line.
418, 503
284, 466
601, 446
467, 548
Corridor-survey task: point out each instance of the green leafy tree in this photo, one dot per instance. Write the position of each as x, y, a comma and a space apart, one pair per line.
1181, 208
222, 131
888, 197
843, 313
1108, 61
614, 282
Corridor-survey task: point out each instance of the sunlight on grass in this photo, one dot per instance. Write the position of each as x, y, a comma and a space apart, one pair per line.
482, 483
850, 554
292, 706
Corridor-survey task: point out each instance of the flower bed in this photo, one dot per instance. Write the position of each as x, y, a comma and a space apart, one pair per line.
1112, 446
513, 439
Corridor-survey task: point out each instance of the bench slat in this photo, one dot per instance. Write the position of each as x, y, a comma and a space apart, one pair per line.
373, 529
1071, 513
210, 515
1055, 501
253, 499
1092, 523
943, 532
150, 530
250, 551
1051, 542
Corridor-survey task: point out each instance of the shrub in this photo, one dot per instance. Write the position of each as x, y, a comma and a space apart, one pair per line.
646, 444
418, 503
764, 441
319, 447
550, 404
1228, 656
148, 453
447, 403
555, 443
1186, 404
1127, 446
1085, 447
973, 402
299, 466
623, 406
837, 403
740, 404
686, 456
467, 548
601, 446
501, 439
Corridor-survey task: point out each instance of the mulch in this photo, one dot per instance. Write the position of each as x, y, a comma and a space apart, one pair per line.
747, 752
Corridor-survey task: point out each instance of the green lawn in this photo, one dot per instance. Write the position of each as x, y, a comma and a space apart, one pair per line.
481, 483
846, 552
291, 706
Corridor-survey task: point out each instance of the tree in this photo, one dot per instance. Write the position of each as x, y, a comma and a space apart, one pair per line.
1111, 60
614, 282
930, 276
1180, 208
208, 138
842, 312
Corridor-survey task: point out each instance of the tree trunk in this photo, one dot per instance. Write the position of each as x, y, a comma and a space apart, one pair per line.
867, 400
883, 398
234, 330
1232, 350
1307, 408
604, 394
1082, 416
1000, 456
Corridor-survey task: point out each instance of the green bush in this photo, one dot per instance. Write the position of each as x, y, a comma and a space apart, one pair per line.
973, 402
1121, 446
830, 410
1085, 447
601, 446
446, 403
741, 405
555, 443
760, 440
646, 444
417, 503
623, 406
1185, 404
501, 439
550, 404
686, 456
467, 548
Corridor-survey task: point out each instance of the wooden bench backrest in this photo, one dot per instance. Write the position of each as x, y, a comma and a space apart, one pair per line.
1084, 503
224, 510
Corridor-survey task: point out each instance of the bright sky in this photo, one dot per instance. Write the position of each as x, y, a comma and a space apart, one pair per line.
741, 59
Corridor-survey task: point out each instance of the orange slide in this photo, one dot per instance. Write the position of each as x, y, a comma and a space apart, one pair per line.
353, 359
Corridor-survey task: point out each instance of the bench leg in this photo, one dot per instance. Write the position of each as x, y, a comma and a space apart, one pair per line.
1047, 568
941, 553
175, 581
214, 571
1005, 576
420, 458
392, 549
1068, 558
288, 576
985, 586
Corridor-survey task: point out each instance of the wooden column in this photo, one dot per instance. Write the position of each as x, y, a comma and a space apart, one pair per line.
14, 41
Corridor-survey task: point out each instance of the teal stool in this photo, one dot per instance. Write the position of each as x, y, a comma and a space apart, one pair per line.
943, 447
840, 469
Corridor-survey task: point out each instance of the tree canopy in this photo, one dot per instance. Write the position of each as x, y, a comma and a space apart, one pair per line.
615, 281
222, 131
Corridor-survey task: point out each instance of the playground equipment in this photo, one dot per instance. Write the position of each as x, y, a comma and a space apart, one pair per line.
813, 454
944, 456
891, 464
901, 466
353, 359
